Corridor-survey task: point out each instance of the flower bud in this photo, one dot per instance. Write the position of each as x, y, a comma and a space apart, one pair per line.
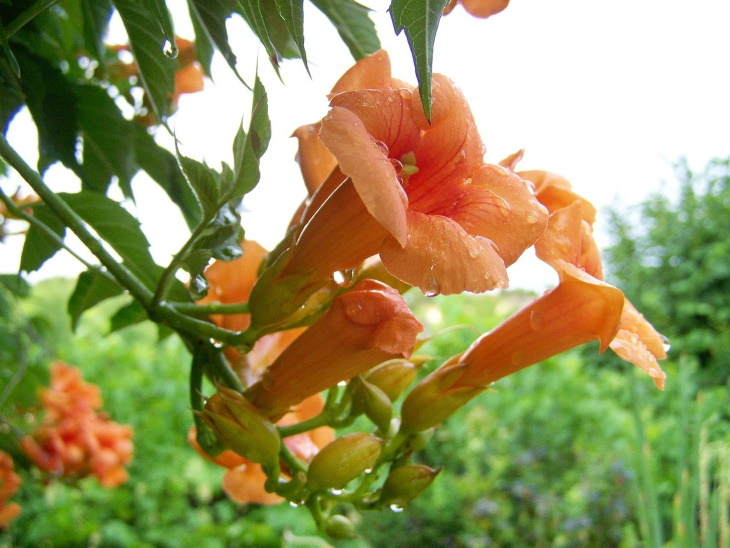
406, 482
339, 527
373, 402
392, 377
241, 427
433, 400
343, 460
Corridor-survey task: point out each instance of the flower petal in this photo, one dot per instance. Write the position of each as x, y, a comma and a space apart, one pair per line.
372, 173
372, 71
555, 192
315, 160
441, 257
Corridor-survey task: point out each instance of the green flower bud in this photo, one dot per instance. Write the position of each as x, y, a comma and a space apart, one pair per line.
392, 377
241, 427
433, 400
339, 527
343, 460
373, 402
405, 483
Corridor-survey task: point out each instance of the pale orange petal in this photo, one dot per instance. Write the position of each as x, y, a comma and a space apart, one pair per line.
315, 161
372, 173
484, 8
497, 204
555, 192
440, 257
372, 71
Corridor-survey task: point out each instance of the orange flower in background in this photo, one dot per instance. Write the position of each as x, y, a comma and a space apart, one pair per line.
75, 439
478, 8
9, 483
244, 481
417, 193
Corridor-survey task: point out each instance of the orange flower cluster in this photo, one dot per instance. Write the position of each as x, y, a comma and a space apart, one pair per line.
75, 439
9, 483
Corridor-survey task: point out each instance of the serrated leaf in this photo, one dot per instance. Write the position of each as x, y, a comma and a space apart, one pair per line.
162, 166
278, 31
156, 70
126, 316
248, 148
92, 287
353, 24
205, 181
204, 46
212, 15
253, 14
38, 246
118, 228
420, 19
107, 138
292, 12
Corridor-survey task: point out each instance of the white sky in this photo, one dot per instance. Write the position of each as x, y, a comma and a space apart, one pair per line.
608, 94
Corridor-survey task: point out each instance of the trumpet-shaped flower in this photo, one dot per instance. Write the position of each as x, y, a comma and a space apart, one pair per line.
364, 327
9, 483
416, 192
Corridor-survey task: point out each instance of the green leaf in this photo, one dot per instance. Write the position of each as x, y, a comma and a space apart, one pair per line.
128, 315
206, 183
162, 166
279, 32
204, 46
164, 19
107, 137
52, 103
252, 12
16, 284
211, 16
39, 246
96, 15
420, 19
248, 148
353, 24
118, 228
156, 69
7, 52
92, 287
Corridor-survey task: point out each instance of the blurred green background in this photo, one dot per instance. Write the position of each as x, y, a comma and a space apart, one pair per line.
579, 451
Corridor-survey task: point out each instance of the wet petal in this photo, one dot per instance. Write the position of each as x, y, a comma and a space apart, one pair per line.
441, 257
498, 205
639, 343
555, 192
372, 173
372, 71
315, 160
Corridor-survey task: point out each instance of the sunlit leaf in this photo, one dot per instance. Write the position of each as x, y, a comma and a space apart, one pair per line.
352, 22
96, 15
420, 19
164, 20
156, 69
92, 287
254, 16
205, 181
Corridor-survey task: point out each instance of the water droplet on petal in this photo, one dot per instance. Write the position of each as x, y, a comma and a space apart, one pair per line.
382, 146
536, 320
432, 287
531, 217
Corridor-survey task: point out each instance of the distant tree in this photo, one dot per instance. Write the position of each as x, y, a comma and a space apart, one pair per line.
672, 259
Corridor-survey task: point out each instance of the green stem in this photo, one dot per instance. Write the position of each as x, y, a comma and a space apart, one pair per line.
323, 419
28, 15
192, 309
48, 231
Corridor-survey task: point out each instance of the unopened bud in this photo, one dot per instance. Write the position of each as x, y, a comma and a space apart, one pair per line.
343, 460
406, 482
373, 402
433, 400
339, 527
392, 377
241, 427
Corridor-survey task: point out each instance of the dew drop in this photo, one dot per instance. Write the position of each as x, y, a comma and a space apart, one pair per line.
536, 320
473, 252
531, 217
342, 384
337, 492
382, 147
170, 49
503, 206
294, 504
395, 508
